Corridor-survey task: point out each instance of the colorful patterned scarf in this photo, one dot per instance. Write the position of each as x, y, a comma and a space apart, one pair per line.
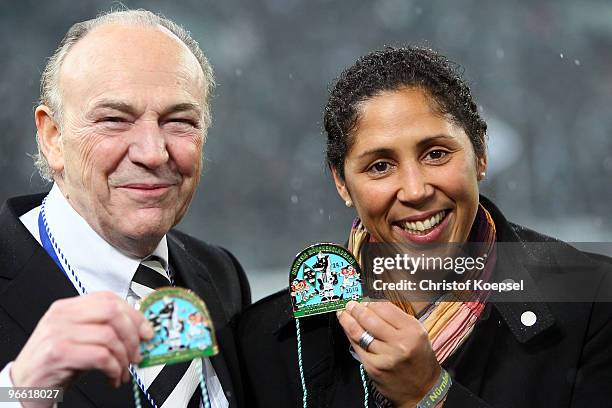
449, 320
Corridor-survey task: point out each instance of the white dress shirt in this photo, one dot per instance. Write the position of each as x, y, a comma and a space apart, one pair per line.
80, 245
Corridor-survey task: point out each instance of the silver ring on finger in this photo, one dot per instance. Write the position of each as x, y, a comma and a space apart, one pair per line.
365, 340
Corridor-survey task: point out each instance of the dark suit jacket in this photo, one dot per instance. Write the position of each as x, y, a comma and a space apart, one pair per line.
30, 282
563, 360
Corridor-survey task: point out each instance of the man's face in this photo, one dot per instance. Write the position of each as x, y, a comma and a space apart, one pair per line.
130, 151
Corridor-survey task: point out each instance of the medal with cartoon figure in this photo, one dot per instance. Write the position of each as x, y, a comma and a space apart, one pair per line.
324, 278
182, 331
181, 325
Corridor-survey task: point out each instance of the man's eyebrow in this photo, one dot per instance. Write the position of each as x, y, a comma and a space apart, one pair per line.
131, 110
115, 105
182, 107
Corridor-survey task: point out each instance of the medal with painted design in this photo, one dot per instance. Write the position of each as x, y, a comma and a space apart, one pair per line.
182, 327
324, 278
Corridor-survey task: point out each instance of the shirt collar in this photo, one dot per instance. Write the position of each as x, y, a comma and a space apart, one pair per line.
98, 265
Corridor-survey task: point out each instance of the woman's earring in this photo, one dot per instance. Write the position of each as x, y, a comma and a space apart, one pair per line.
482, 175
348, 203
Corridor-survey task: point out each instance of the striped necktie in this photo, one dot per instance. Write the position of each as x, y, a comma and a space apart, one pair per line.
149, 276
169, 385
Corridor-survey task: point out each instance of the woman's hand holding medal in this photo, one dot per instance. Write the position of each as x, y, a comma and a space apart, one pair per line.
400, 360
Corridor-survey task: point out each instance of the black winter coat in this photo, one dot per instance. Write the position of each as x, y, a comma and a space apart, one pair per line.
30, 282
563, 360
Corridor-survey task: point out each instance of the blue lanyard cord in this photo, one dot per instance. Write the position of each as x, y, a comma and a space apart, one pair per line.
49, 244
364, 378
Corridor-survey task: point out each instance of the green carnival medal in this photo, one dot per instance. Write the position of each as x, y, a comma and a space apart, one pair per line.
181, 325
182, 328
323, 278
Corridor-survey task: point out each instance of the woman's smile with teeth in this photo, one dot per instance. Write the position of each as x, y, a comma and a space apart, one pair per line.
423, 225
410, 172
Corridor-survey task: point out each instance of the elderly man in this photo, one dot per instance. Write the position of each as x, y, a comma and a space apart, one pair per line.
121, 127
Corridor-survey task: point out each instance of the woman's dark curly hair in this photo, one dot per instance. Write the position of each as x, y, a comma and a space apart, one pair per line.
391, 69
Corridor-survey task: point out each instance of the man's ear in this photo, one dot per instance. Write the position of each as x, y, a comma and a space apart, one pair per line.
49, 138
341, 187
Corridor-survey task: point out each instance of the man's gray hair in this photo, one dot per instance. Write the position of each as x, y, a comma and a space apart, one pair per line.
50, 93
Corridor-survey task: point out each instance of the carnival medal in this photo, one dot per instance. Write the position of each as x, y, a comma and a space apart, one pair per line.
182, 327
324, 278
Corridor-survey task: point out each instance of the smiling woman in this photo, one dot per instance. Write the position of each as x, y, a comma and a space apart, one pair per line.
406, 148
408, 166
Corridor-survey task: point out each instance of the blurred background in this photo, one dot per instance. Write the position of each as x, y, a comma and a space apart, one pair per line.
540, 71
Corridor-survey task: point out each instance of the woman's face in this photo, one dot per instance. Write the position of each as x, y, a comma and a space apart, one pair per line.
411, 173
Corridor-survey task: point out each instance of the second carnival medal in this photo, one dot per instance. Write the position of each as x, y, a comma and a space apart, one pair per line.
324, 278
